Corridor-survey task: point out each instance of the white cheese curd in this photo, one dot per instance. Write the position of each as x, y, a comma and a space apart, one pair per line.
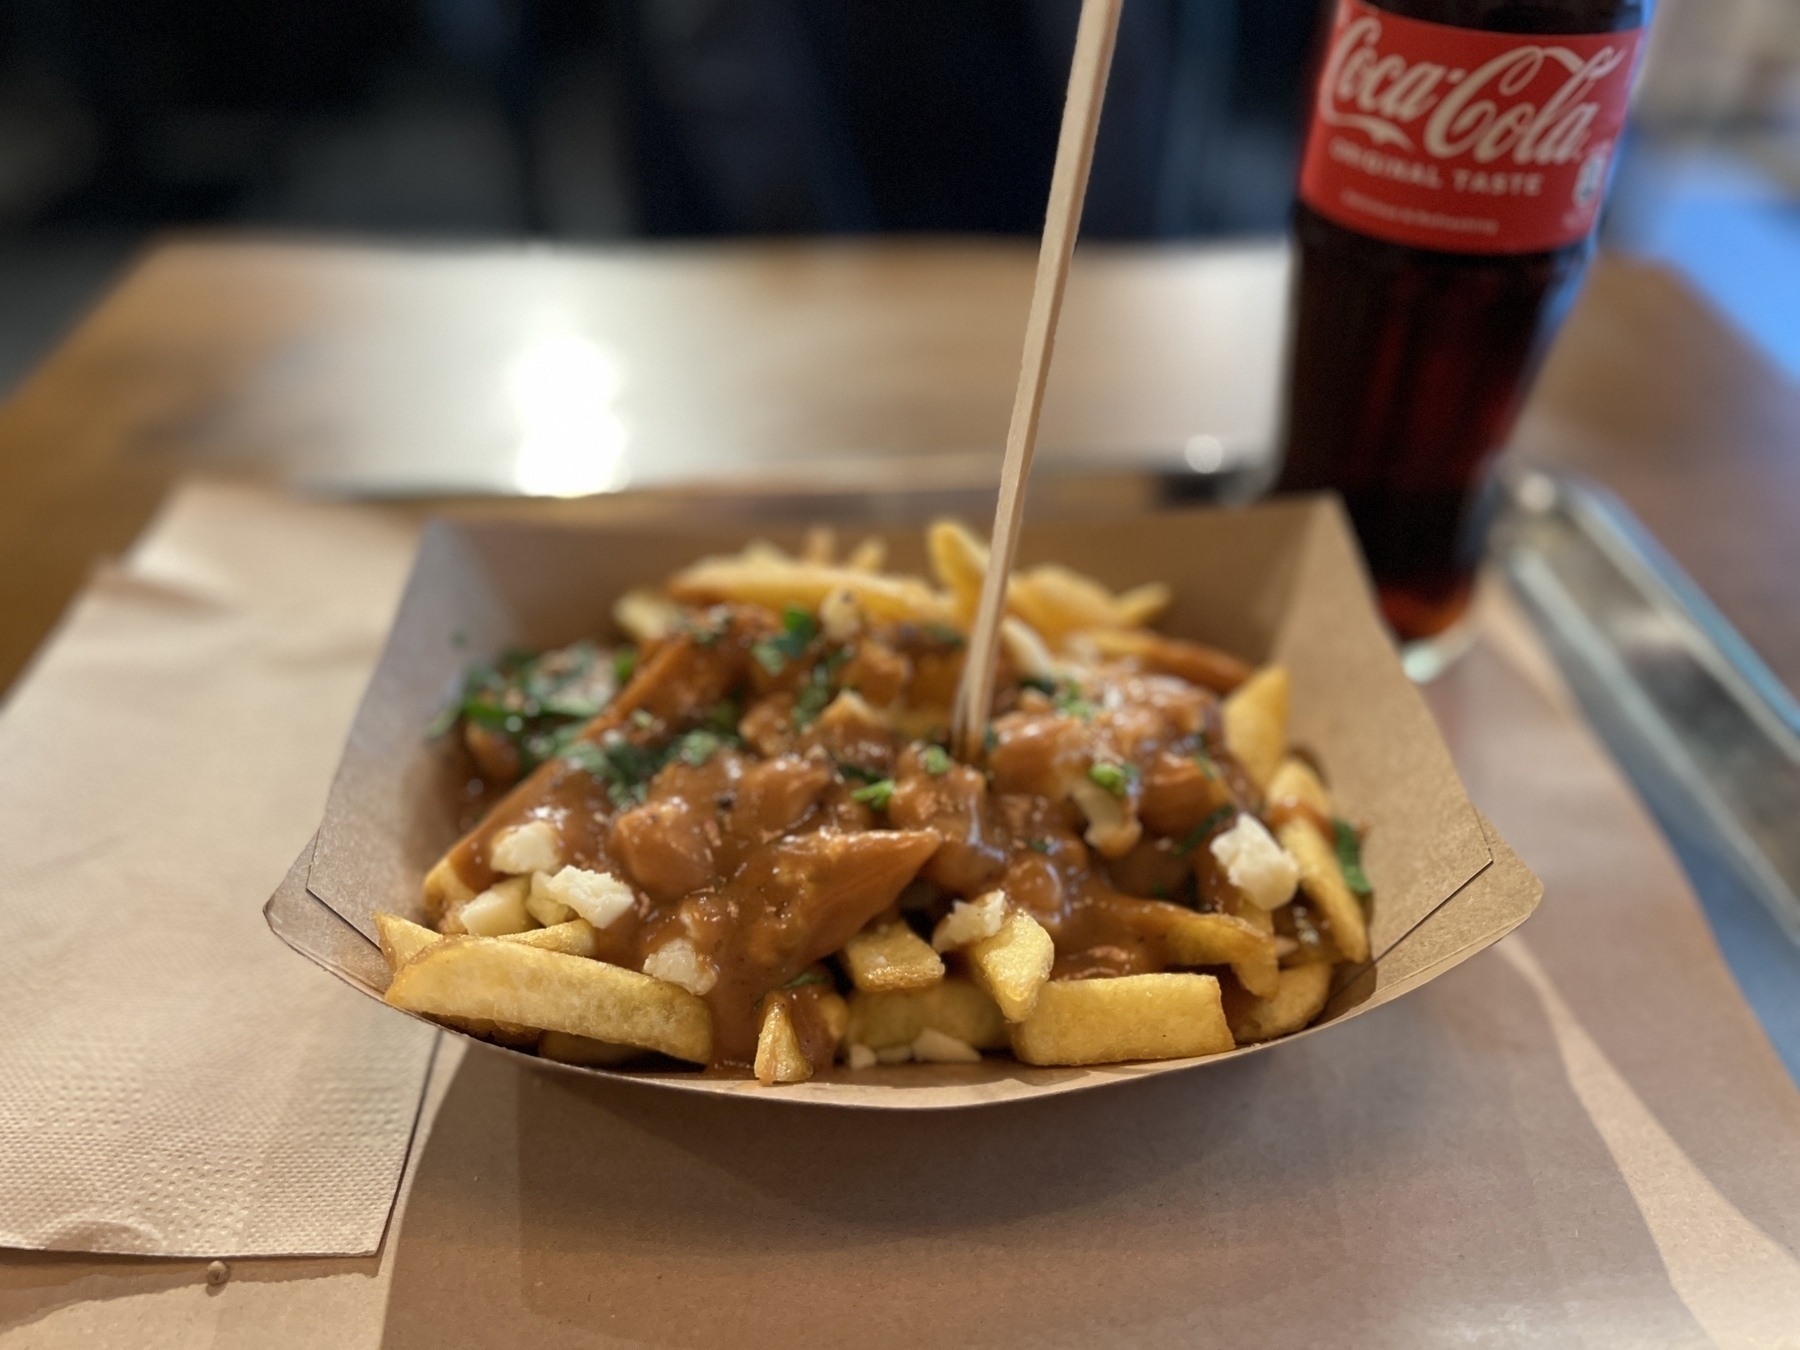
1258, 866
839, 615
970, 922
860, 1056
524, 849
931, 1046
678, 963
598, 897
498, 910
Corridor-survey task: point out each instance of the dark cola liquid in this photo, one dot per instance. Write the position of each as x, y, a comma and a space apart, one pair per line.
1407, 366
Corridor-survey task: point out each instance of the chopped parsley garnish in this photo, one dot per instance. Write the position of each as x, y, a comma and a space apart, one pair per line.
877, 794
534, 701
1070, 703
944, 633
859, 773
798, 629
626, 769
624, 663
1038, 845
642, 720
807, 977
935, 760
1349, 854
813, 698
1042, 683
1207, 766
724, 717
696, 747
1115, 778
1205, 829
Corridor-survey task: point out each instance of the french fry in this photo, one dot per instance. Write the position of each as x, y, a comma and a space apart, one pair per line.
1322, 882
959, 561
954, 1007
820, 545
1014, 964
1222, 940
644, 616
1167, 1016
1296, 782
779, 1058
779, 582
445, 891
868, 556
891, 957
566, 1049
1058, 602
1296, 1002
1141, 604
1256, 718
1192, 661
513, 982
401, 939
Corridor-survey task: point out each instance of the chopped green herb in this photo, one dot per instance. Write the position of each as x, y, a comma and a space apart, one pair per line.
1349, 852
1207, 767
835, 658
935, 760
1204, 830
642, 720
696, 747
858, 773
1115, 778
624, 663
810, 702
807, 977
1038, 845
1042, 683
990, 740
944, 633
1070, 703
798, 625
447, 718
724, 717
769, 655
877, 794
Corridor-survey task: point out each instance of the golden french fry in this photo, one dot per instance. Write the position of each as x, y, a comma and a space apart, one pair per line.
1104, 1021
1139, 605
776, 583
1296, 1002
445, 891
1296, 782
1029, 653
1322, 882
401, 939
1058, 602
1222, 940
1256, 719
779, 1058
567, 1049
513, 982
574, 938
867, 556
959, 561
891, 957
1194, 662
820, 545
953, 1007
644, 616
1014, 964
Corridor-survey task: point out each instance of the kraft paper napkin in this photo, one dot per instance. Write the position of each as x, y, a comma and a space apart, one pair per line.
172, 1081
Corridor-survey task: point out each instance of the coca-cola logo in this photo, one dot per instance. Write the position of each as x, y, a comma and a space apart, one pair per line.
1486, 113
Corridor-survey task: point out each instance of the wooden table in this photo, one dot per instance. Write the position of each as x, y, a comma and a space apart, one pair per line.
392, 370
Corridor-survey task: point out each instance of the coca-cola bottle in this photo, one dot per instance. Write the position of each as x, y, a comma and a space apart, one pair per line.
1454, 169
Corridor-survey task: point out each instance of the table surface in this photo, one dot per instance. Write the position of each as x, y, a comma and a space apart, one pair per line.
1648, 391
393, 369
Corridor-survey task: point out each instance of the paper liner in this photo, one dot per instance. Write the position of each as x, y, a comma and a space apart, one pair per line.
1281, 581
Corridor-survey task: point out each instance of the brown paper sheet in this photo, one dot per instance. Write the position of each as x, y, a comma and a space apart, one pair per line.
1279, 581
171, 1081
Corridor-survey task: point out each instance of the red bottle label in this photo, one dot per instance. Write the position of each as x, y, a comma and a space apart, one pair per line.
1461, 140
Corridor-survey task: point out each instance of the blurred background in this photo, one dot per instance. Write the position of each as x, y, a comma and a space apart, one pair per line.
596, 120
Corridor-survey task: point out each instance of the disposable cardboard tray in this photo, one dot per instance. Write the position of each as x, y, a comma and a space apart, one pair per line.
1280, 581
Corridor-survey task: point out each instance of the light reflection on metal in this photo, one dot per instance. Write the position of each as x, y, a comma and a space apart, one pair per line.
1707, 732
562, 387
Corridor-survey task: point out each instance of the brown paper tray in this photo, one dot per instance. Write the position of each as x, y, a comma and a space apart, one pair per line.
1279, 581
